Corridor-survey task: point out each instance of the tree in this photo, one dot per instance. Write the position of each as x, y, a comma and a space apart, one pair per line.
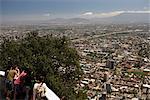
48, 56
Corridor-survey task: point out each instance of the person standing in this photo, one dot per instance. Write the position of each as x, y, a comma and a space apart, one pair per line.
28, 84
39, 89
9, 81
42, 92
18, 88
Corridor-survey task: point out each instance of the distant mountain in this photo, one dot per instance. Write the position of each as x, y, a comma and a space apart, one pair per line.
131, 18
122, 18
68, 21
128, 18
79, 20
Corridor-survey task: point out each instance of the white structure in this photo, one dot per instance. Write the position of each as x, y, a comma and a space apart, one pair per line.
2, 73
50, 95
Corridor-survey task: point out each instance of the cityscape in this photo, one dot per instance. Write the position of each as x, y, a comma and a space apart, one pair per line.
109, 42
114, 58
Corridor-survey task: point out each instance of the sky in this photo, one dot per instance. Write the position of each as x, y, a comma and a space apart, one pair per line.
49, 9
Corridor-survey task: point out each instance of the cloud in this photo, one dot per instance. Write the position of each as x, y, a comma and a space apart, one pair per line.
87, 13
101, 15
138, 11
47, 14
108, 14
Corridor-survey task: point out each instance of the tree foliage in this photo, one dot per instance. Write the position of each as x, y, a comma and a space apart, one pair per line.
48, 56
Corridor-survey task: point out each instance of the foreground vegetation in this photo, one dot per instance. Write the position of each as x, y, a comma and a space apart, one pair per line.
48, 56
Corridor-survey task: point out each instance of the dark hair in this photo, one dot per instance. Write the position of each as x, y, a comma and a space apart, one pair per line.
14, 66
40, 79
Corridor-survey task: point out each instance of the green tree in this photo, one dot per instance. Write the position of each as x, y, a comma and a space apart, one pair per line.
48, 56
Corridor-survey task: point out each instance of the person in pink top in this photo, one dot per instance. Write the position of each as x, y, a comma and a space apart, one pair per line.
18, 80
18, 84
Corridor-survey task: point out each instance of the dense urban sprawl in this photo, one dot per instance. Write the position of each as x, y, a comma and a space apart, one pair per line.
115, 59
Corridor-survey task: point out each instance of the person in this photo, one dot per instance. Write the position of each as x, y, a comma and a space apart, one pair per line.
42, 92
28, 84
39, 89
6, 80
9, 81
18, 72
18, 87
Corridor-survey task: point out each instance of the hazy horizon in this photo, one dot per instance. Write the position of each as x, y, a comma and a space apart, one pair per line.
32, 10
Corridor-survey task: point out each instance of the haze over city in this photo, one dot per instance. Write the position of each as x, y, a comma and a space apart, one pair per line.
39, 10
75, 49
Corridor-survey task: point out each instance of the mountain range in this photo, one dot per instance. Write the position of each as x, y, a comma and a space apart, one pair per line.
122, 18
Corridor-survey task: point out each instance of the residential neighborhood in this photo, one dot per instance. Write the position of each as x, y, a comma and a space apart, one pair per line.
115, 59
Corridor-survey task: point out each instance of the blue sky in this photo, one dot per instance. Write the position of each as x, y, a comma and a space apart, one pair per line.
29, 9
